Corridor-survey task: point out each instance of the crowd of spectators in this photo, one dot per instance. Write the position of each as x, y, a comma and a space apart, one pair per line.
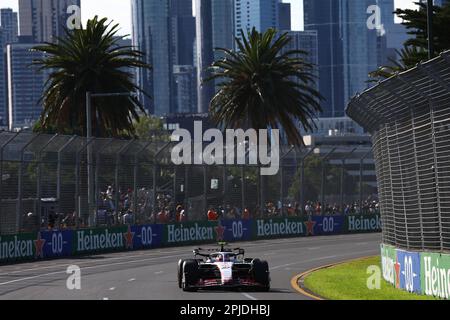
167, 210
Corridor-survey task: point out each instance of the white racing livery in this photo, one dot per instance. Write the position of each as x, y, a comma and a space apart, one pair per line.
223, 269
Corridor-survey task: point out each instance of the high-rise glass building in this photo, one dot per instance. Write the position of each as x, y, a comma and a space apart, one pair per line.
323, 16
284, 16
151, 35
360, 47
44, 20
348, 49
261, 14
183, 32
3, 101
9, 24
205, 53
25, 85
222, 24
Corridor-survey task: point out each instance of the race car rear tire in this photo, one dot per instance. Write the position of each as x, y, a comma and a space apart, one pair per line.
180, 273
190, 275
262, 274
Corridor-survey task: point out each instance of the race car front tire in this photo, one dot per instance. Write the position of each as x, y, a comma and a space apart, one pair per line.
190, 275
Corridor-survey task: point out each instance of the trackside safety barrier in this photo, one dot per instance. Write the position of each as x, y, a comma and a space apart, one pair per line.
423, 273
58, 244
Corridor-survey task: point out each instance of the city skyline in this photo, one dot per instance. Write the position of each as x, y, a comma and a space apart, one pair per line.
120, 11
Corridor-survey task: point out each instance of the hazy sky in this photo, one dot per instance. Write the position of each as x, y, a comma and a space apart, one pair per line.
120, 10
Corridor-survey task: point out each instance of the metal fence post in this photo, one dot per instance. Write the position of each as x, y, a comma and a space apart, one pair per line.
282, 179
96, 183
361, 175
58, 172
302, 179
2, 148
77, 178
243, 188
116, 175
136, 176
344, 163
38, 178
20, 184
322, 187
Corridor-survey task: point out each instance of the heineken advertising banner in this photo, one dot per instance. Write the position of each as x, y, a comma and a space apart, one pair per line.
328, 225
362, 223
435, 275
192, 232
418, 272
388, 260
56, 243
237, 230
407, 269
145, 237
101, 240
20, 247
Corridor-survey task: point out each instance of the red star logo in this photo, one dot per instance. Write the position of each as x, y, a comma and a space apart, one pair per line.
39, 245
397, 273
219, 232
129, 238
310, 227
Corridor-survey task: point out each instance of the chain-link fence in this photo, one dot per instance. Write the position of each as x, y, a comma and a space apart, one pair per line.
409, 116
50, 181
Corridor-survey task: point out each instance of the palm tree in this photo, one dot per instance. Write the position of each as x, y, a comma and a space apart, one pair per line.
408, 58
89, 59
262, 85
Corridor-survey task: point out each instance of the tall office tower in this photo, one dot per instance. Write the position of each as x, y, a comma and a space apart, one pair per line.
186, 88
360, 49
25, 84
183, 32
323, 16
261, 14
3, 109
306, 41
10, 25
44, 20
205, 53
284, 16
152, 35
222, 25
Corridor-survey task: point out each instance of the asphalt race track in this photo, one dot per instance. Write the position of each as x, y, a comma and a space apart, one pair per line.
151, 275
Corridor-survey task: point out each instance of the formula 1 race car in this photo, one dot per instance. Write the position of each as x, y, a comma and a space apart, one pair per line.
223, 269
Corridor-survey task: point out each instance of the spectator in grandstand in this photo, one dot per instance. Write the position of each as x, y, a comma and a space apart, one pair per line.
246, 214
318, 209
128, 218
212, 215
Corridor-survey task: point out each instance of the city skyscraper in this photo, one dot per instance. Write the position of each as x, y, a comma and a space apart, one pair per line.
183, 32
10, 25
323, 16
3, 101
222, 24
44, 20
205, 53
25, 84
348, 49
261, 14
360, 51
152, 35
284, 16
